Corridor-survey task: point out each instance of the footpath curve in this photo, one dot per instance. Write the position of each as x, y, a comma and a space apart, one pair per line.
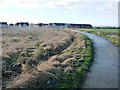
104, 70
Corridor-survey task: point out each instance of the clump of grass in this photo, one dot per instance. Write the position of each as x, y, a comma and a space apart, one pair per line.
45, 41
50, 58
43, 53
75, 72
4, 44
15, 39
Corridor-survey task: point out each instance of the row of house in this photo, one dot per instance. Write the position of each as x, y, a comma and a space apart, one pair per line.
69, 25
4, 24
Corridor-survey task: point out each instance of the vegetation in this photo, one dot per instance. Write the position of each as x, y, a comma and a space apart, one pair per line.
44, 57
104, 30
110, 34
76, 71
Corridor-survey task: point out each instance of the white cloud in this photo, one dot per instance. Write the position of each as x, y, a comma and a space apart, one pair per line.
50, 4
47, 3
15, 17
110, 8
40, 4
70, 5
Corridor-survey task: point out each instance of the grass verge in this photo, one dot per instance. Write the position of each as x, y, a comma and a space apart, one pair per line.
110, 34
73, 79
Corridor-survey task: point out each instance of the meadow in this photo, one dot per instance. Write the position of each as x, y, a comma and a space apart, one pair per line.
34, 57
106, 30
110, 34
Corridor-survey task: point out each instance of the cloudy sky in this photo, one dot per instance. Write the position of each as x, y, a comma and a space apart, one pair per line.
95, 12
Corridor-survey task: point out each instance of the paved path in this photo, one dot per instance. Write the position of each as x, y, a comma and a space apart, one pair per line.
104, 70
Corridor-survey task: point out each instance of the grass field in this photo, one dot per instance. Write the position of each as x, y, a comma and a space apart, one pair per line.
44, 57
110, 34
105, 30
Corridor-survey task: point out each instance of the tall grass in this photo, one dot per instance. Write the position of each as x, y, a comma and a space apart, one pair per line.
47, 57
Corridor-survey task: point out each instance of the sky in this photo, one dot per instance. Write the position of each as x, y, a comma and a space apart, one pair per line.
95, 12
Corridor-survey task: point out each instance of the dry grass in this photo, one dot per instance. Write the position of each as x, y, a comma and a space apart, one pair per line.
44, 55
29, 37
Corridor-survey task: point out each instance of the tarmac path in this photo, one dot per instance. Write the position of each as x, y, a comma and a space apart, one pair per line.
104, 70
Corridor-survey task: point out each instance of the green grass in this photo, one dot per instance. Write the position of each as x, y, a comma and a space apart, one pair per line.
107, 30
73, 79
104, 30
109, 34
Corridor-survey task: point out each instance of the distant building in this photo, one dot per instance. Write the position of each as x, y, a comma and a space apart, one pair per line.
75, 25
51, 24
3, 24
11, 25
71, 25
79, 25
59, 24
45, 24
87, 26
33, 25
22, 24
40, 24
